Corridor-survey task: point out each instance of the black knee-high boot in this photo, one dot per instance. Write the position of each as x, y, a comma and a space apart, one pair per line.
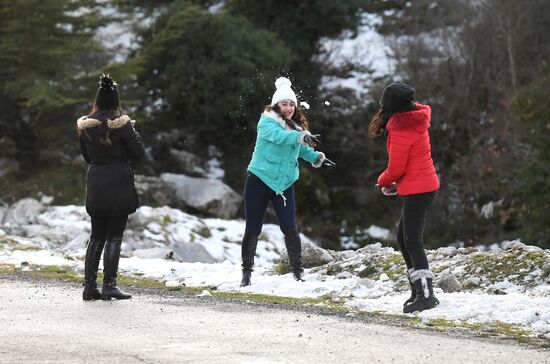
423, 285
91, 265
110, 263
248, 251
294, 248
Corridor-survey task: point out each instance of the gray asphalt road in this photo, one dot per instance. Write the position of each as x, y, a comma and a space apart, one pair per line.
46, 321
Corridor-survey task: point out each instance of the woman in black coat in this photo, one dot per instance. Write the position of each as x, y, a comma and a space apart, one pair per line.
109, 143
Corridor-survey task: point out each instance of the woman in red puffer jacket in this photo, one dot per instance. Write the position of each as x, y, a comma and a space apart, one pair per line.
410, 173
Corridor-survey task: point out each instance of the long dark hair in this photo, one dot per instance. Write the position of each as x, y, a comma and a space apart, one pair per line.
379, 122
296, 122
104, 116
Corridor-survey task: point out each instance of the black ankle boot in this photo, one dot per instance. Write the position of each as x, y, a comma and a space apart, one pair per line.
248, 251
413, 290
425, 298
91, 293
110, 290
245, 281
91, 264
298, 275
294, 249
110, 263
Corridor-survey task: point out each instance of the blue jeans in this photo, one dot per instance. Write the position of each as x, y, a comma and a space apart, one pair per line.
256, 196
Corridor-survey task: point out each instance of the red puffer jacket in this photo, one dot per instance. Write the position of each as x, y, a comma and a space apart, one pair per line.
410, 162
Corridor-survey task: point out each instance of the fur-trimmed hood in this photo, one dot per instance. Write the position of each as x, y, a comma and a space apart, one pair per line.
273, 115
418, 119
85, 122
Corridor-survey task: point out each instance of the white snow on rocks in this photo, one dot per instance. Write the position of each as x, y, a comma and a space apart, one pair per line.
509, 285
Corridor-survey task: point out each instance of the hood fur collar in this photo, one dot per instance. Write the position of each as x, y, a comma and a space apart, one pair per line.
418, 119
85, 122
273, 115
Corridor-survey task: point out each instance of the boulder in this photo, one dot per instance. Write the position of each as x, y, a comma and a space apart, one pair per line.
24, 212
153, 191
546, 269
312, 255
207, 196
193, 253
448, 283
188, 163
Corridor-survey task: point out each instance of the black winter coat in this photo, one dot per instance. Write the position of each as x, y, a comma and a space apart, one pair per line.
110, 188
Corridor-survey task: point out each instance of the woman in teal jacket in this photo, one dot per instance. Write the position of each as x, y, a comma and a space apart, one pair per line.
283, 137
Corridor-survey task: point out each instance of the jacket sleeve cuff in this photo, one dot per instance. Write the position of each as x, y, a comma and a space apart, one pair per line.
319, 160
301, 137
383, 181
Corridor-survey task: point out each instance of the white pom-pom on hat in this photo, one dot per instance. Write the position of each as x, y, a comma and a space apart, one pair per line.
282, 82
283, 92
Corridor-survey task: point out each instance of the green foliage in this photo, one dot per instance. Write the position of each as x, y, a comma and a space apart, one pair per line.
65, 182
532, 110
300, 25
209, 70
43, 47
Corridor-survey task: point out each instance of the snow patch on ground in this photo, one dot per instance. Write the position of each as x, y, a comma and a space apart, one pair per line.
510, 285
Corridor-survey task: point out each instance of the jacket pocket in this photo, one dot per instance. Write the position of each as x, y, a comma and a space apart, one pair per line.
273, 167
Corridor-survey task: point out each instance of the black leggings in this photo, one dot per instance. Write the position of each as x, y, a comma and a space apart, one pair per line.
108, 227
410, 233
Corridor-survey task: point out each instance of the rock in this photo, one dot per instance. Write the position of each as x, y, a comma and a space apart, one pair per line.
155, 253
448, 251
546, 269
193, 253
513, 245
448, 283
24, 212
153, 191
467, 250
3, 213
58, 236
207, 196
78, 243
344, 275
188, 163
347, 254
473, 282
312, 255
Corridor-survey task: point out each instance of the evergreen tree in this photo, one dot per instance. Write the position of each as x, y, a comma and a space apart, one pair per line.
210, 74
42, 49
532, 110
301, 25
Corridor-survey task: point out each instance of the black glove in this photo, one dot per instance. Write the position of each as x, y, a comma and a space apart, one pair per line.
312, 139
328, 163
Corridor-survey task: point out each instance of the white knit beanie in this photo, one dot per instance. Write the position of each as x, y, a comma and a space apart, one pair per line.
284, 92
